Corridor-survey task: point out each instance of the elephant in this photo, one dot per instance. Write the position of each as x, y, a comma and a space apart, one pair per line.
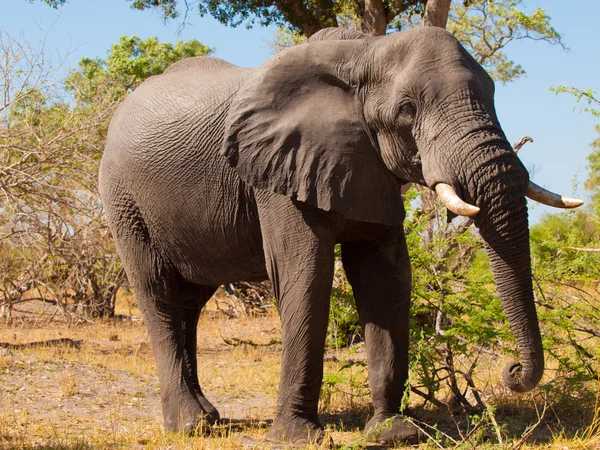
214, 173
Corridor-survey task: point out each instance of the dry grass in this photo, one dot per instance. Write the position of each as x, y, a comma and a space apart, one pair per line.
105, 394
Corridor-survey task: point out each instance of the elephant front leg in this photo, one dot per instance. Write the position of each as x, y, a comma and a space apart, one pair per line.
380, 276
299, 250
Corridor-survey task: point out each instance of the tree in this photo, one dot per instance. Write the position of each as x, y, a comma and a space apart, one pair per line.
436, 13
53, 241
128, 64
306, 17
486, 28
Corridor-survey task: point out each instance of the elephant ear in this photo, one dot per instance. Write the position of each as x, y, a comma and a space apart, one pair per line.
298, 130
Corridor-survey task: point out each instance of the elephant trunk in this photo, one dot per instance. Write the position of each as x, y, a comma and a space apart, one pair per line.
481, 167
504, 227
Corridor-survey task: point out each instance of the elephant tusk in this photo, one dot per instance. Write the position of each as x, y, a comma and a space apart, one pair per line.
453, 202
541, 195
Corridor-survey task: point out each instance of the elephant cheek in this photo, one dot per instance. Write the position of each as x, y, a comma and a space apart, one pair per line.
401, 158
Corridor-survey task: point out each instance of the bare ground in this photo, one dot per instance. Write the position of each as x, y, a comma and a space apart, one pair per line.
107, 385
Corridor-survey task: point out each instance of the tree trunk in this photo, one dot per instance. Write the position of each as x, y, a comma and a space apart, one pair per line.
308, 18
374, 18
436, 13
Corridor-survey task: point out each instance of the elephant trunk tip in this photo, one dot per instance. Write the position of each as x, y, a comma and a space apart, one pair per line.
518, 379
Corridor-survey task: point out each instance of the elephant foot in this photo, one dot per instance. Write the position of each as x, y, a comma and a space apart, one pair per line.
392, 430
291, 433
194, 415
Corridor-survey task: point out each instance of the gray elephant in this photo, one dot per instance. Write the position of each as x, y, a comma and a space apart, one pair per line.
213, 173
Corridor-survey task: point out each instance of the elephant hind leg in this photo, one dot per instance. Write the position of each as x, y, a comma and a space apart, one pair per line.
171, 307
194, 298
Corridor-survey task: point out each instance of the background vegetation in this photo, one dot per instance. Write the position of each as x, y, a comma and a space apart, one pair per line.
55, 248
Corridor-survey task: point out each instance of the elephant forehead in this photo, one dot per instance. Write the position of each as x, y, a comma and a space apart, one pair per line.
431, 62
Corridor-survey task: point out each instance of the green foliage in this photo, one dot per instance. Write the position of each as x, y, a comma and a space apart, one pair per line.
128, 64
53, 3
344, 327
306, 16
588, 96
133, 60
456, 315
168, 8
552, 240
566, 278
460, 321
284, 38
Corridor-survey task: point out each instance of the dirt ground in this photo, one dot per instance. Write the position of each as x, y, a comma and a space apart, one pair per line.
107, 385
82, 396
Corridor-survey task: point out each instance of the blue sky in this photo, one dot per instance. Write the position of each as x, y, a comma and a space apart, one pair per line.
561, 136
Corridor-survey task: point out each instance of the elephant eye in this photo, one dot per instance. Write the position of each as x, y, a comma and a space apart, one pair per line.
408, 110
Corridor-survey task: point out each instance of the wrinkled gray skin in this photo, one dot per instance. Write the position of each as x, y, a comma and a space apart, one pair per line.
213, 173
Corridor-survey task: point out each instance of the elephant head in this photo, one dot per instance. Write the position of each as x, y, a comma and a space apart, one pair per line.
341, 124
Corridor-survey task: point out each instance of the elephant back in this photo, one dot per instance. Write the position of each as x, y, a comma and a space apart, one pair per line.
185, 105
336, 34
199, 63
